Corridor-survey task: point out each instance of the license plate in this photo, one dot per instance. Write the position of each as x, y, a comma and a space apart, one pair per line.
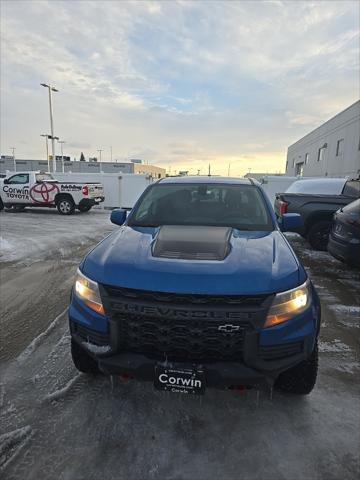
179, 380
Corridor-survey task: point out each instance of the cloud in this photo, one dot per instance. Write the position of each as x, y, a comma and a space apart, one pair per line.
180, 83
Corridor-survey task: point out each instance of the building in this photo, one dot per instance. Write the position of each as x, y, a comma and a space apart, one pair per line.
152, 170
7, 163
331, 150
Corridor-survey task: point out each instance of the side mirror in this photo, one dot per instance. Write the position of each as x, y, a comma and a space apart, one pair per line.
290, 221
118, 216
6, 181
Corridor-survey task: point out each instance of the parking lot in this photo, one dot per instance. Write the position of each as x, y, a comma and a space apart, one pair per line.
58, 424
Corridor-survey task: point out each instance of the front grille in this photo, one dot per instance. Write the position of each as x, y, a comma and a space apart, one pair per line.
182, 327
277, 352
88, 335
180, 340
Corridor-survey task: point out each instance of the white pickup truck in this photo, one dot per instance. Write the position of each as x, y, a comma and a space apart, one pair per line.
39, 189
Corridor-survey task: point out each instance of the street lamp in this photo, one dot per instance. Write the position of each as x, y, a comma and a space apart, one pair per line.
100, 159
62, 154
47, 148
51, 89
13, 152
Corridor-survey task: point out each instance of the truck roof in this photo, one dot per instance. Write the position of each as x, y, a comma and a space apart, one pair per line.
208, 179
329, 186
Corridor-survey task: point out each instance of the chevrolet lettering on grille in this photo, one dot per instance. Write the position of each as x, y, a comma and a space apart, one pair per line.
168, 312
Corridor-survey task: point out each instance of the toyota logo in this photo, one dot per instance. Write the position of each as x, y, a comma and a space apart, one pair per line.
228, 328
44, 192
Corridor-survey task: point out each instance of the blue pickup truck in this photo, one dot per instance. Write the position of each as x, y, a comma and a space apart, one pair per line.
198, 288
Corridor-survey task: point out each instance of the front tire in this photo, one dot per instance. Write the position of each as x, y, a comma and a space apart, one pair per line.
300, 379
65, 206
82, 360
1, 205
318, 235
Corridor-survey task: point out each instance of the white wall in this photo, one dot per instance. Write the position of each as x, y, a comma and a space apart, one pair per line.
345, 125
121, 190
273, 184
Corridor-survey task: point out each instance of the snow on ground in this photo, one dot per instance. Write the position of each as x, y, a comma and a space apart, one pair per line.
5, 245
38, 233
84, 426
334, 347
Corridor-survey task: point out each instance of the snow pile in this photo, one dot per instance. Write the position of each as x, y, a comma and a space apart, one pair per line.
11, 443
34, 235
62, 391
333, 347
96, 349
6, 248
350, 367
346, 309
39, 339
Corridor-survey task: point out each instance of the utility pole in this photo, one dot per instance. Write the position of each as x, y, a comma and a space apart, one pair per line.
13, 152
209, 170
47, 149
198, 171
111, 154
229, 170
51, 89
62, 154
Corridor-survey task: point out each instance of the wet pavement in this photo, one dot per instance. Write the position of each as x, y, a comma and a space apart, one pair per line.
58, 424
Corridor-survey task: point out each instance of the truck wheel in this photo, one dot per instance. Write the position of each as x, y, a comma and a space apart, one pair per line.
300, 379
82, 360
83, 208
1, 205
65, 205
318, 235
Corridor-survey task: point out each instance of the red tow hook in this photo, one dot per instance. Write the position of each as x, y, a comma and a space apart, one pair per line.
125, 377
239, 389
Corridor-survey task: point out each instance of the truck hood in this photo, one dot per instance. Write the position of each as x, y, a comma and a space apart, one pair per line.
258, 262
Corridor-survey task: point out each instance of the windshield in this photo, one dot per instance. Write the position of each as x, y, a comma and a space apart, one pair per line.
238, 206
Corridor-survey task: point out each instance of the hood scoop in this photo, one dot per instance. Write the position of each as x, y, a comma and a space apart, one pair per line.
192, 243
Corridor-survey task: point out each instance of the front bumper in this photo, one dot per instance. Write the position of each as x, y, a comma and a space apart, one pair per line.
266, 352
217, 375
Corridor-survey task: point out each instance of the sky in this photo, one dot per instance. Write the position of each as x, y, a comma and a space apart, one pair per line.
179, 84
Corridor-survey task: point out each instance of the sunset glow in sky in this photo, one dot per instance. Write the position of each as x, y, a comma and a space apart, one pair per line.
176, 83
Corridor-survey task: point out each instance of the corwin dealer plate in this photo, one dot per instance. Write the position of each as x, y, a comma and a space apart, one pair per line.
179, 380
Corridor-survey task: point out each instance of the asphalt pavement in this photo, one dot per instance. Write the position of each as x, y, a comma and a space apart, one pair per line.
56, 423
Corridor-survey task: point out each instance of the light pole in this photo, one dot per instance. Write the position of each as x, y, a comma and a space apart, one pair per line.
111, 154
100, 158
62, 153
47, 149
13, 152
51, 89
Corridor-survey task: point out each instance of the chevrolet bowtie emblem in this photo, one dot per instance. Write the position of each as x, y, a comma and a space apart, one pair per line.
228, 328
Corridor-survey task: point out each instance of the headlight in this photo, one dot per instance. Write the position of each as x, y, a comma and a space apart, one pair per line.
88, 291
288, 304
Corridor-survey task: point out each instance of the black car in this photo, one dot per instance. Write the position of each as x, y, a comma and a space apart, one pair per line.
344, 238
